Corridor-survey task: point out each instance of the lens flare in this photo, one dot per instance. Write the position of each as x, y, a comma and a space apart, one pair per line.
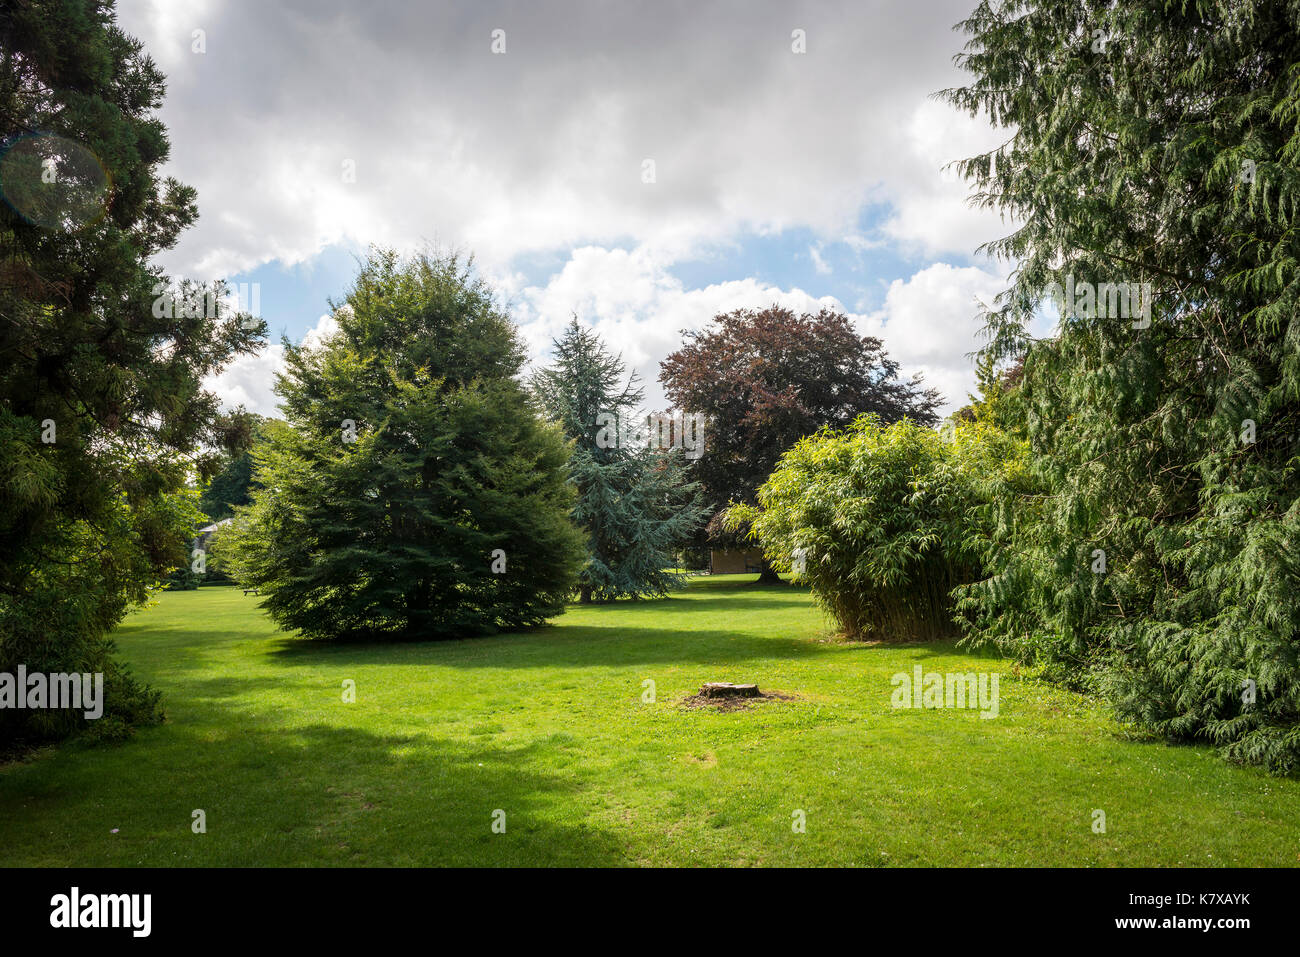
53, 182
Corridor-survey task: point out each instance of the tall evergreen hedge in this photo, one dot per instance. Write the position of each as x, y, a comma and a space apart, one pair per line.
1152, 142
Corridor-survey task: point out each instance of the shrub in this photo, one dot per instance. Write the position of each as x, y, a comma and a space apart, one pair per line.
887, 520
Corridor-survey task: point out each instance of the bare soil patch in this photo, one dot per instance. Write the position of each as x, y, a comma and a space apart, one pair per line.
723, 696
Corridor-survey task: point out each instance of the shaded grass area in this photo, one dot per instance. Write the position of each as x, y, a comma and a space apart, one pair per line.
550, 727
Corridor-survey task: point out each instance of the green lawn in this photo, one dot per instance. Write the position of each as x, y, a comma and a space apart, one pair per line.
550, 727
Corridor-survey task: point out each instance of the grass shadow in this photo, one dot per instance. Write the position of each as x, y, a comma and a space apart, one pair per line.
320, 794
572, 646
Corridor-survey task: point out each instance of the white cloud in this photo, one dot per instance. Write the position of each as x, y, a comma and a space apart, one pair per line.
638, 307
815, 254
930, 323
931, 207
249, 380
541, 148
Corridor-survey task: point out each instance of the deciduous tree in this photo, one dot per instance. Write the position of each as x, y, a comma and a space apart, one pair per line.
767, 378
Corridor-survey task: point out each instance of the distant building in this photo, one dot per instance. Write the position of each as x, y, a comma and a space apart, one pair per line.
207, 531
735, 561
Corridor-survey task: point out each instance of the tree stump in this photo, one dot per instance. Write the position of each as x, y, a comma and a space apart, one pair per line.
725, 689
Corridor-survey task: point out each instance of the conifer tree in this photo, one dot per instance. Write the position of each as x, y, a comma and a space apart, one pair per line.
636, 503
102, 357
413, 491
1153, 143
233, 436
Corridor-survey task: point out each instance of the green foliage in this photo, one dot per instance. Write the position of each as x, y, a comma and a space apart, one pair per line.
234, 433
89, 580
1169, 156
996, 404
637, 508
885, 520
636, 505
410, 455
765, 379
183, 579
101, 397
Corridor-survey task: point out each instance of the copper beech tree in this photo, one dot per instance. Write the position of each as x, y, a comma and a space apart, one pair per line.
765, 379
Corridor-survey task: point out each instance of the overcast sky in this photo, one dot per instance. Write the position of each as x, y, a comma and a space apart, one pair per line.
807, 179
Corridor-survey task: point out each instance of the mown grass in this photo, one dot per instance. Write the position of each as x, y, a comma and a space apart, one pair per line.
550, 727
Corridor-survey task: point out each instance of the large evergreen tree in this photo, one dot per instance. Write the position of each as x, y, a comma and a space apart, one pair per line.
1153, 142
636, 504
100, 372
414, 492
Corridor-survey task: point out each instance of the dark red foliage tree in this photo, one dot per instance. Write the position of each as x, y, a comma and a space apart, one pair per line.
766, 378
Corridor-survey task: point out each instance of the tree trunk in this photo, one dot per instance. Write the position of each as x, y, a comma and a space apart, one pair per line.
584, 594
767, 574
